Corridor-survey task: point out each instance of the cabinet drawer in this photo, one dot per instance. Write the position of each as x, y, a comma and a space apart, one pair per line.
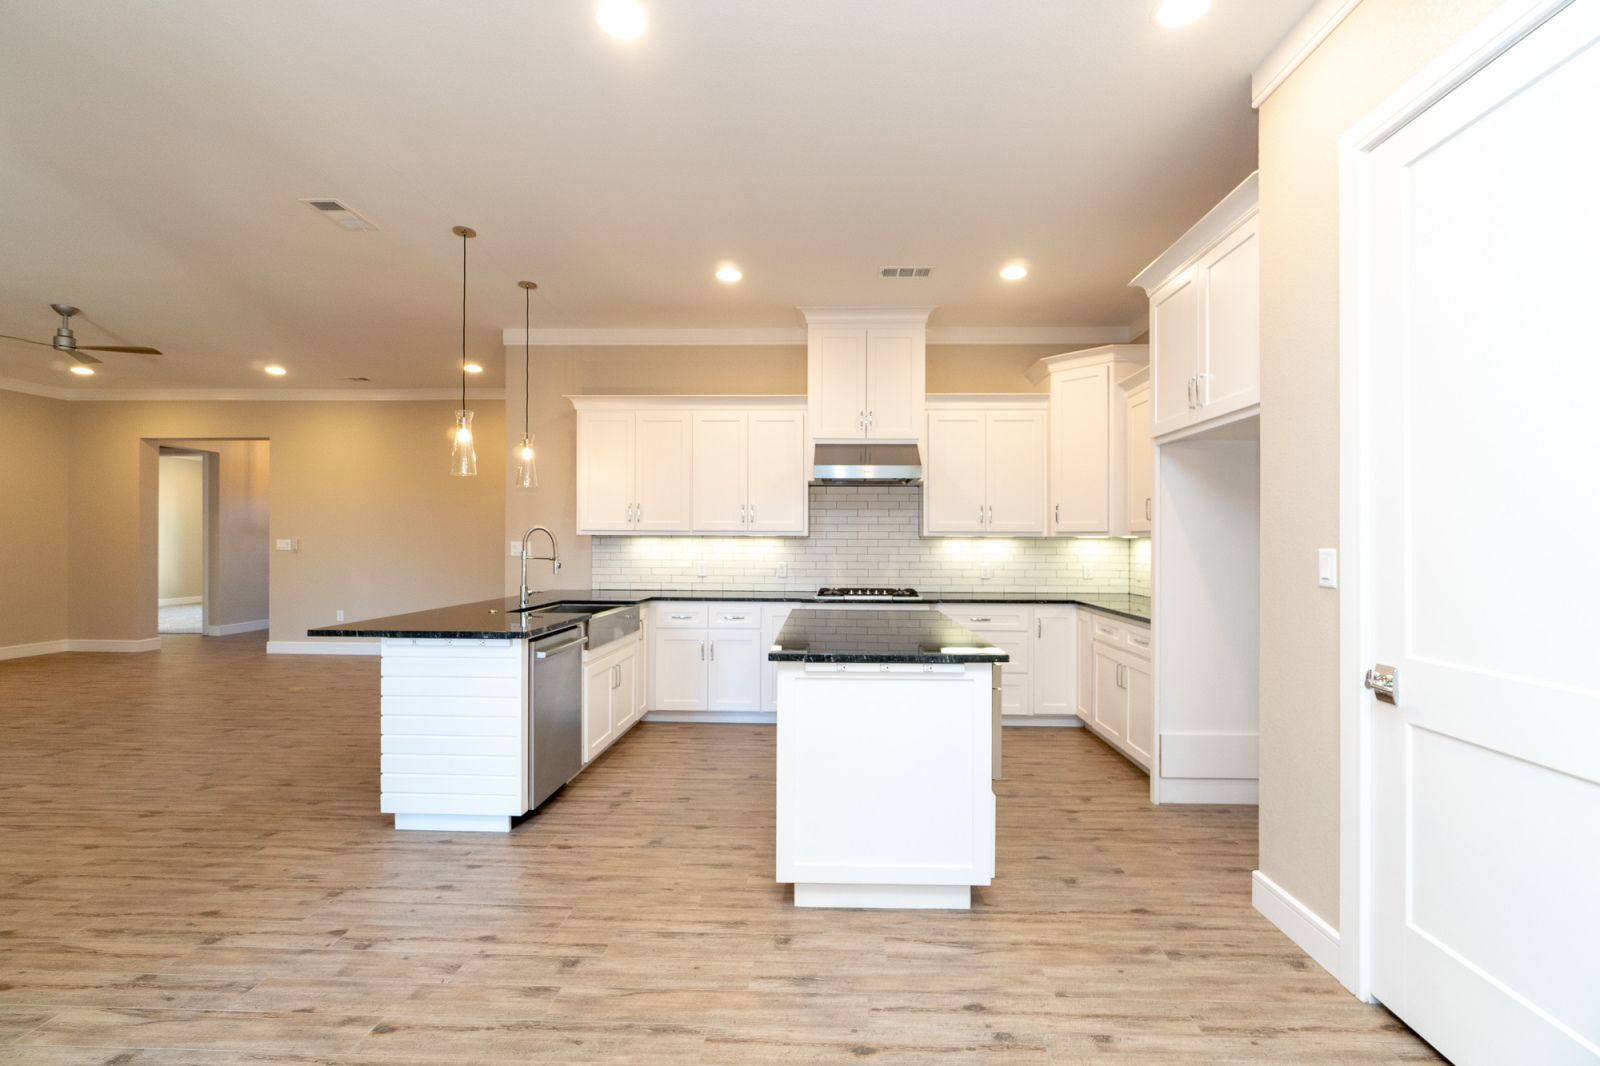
1137, 640
670, 615
981, 618
1107, 630
734, 615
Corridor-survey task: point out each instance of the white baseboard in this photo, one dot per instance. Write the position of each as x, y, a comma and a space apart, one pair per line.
324, 647
147, 644
178, 601
1228, 790
23, 651
1054, 721
717, 717
1296, 921
231, 628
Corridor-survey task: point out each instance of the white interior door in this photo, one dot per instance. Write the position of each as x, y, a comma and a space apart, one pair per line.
1479, 223
1014, 451
954, 492
662, 484
779, 495
720, 472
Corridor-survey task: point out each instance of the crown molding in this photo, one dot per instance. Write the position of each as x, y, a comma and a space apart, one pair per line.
711, 336
248, 395
1231, 210
1286, 57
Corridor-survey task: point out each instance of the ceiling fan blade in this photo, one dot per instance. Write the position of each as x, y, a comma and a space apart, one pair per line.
25, 340
118, 348
77, 353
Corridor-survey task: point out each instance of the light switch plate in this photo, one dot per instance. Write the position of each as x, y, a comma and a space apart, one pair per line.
288, 544
1328, 568
516, 549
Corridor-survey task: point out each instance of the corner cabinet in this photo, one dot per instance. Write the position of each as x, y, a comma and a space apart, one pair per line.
985, 467
866, 374
1116, 679
1205, 309
1087, 475
687, 464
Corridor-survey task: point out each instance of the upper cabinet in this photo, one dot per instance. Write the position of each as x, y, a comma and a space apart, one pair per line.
866, 373
1205, 309
1138, 453
985, 466
1087, 447
683, 464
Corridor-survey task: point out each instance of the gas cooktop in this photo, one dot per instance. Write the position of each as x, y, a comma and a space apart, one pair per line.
866, 593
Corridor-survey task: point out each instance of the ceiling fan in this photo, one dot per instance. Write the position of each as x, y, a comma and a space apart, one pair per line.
64, 341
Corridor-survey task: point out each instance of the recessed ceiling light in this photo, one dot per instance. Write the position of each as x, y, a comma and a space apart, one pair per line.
729, 273
1173, 13
274, 370
473, 368
1013, 272
82, 371
623, 19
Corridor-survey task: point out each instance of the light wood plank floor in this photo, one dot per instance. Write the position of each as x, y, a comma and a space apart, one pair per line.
193, 869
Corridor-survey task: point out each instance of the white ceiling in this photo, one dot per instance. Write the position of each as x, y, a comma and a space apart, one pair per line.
153, 154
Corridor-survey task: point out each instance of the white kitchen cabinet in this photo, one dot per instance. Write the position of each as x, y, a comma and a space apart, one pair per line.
866, 374
1008, 626
1055, 655
610, 695
633, 471
1121, 708
1138, 454
985, 469
1086, 438
1205, 310
734, 670
773, 615
750, 472
678, 668
1085, 667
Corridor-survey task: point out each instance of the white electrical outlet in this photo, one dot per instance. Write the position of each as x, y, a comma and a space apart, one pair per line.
985, 572
700, 568
783, 569
338, 616
1328, 568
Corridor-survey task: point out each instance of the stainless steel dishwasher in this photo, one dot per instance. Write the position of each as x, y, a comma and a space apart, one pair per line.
555, 712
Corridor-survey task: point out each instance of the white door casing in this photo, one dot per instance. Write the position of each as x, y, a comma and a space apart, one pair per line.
1468, 374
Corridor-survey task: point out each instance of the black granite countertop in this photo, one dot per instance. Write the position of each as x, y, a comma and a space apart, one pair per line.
830, 635
502, 618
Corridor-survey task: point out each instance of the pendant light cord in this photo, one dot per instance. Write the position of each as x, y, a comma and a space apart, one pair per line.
527, 320
463, 321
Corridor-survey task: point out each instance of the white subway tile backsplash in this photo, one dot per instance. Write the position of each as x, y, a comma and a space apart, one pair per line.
869, 535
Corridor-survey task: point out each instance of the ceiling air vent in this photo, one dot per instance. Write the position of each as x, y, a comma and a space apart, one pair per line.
904, 272
338, 212
358, 379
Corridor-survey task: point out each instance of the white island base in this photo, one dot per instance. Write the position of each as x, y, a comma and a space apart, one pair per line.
884, 783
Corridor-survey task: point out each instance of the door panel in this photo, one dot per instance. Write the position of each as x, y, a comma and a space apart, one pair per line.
678, 665
779, 494
597, 710
1141, 460
1141, 714
720, 472
1486, 771
840, 385
1015, 471
1231, 281
891, 384
1110, 701
1174, 350
605, 471
1080, 450
1055, 653
735, 670
663, 487
772, 619
954, 490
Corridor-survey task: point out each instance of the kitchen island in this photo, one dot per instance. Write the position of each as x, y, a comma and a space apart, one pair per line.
887, 724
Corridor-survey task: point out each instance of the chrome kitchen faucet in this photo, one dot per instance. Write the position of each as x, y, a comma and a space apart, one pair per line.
554, 559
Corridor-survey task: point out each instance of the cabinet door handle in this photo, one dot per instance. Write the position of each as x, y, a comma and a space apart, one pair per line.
1147, 508
1058, 514
752, 514
702, 651
744, 518
980, 618
713, 651
1038, 628
680, 617
1199, 389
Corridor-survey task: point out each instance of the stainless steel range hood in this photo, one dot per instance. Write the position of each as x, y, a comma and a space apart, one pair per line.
867, 464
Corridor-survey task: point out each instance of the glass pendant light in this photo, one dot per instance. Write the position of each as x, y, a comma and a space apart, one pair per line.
527, 473
463, 455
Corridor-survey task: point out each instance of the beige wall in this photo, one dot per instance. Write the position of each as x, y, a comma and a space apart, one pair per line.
671, 371
362, 485
180, 510
1368, 57
34, 436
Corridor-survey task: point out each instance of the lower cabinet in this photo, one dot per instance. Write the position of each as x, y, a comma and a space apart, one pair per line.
773, 615
1055, 661
611, 703
707, 657
1121, 705
1008, 626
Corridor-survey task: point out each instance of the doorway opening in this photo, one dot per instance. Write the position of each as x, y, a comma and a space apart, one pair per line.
212, 547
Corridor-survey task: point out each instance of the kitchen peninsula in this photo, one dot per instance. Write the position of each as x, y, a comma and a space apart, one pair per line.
888, 726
